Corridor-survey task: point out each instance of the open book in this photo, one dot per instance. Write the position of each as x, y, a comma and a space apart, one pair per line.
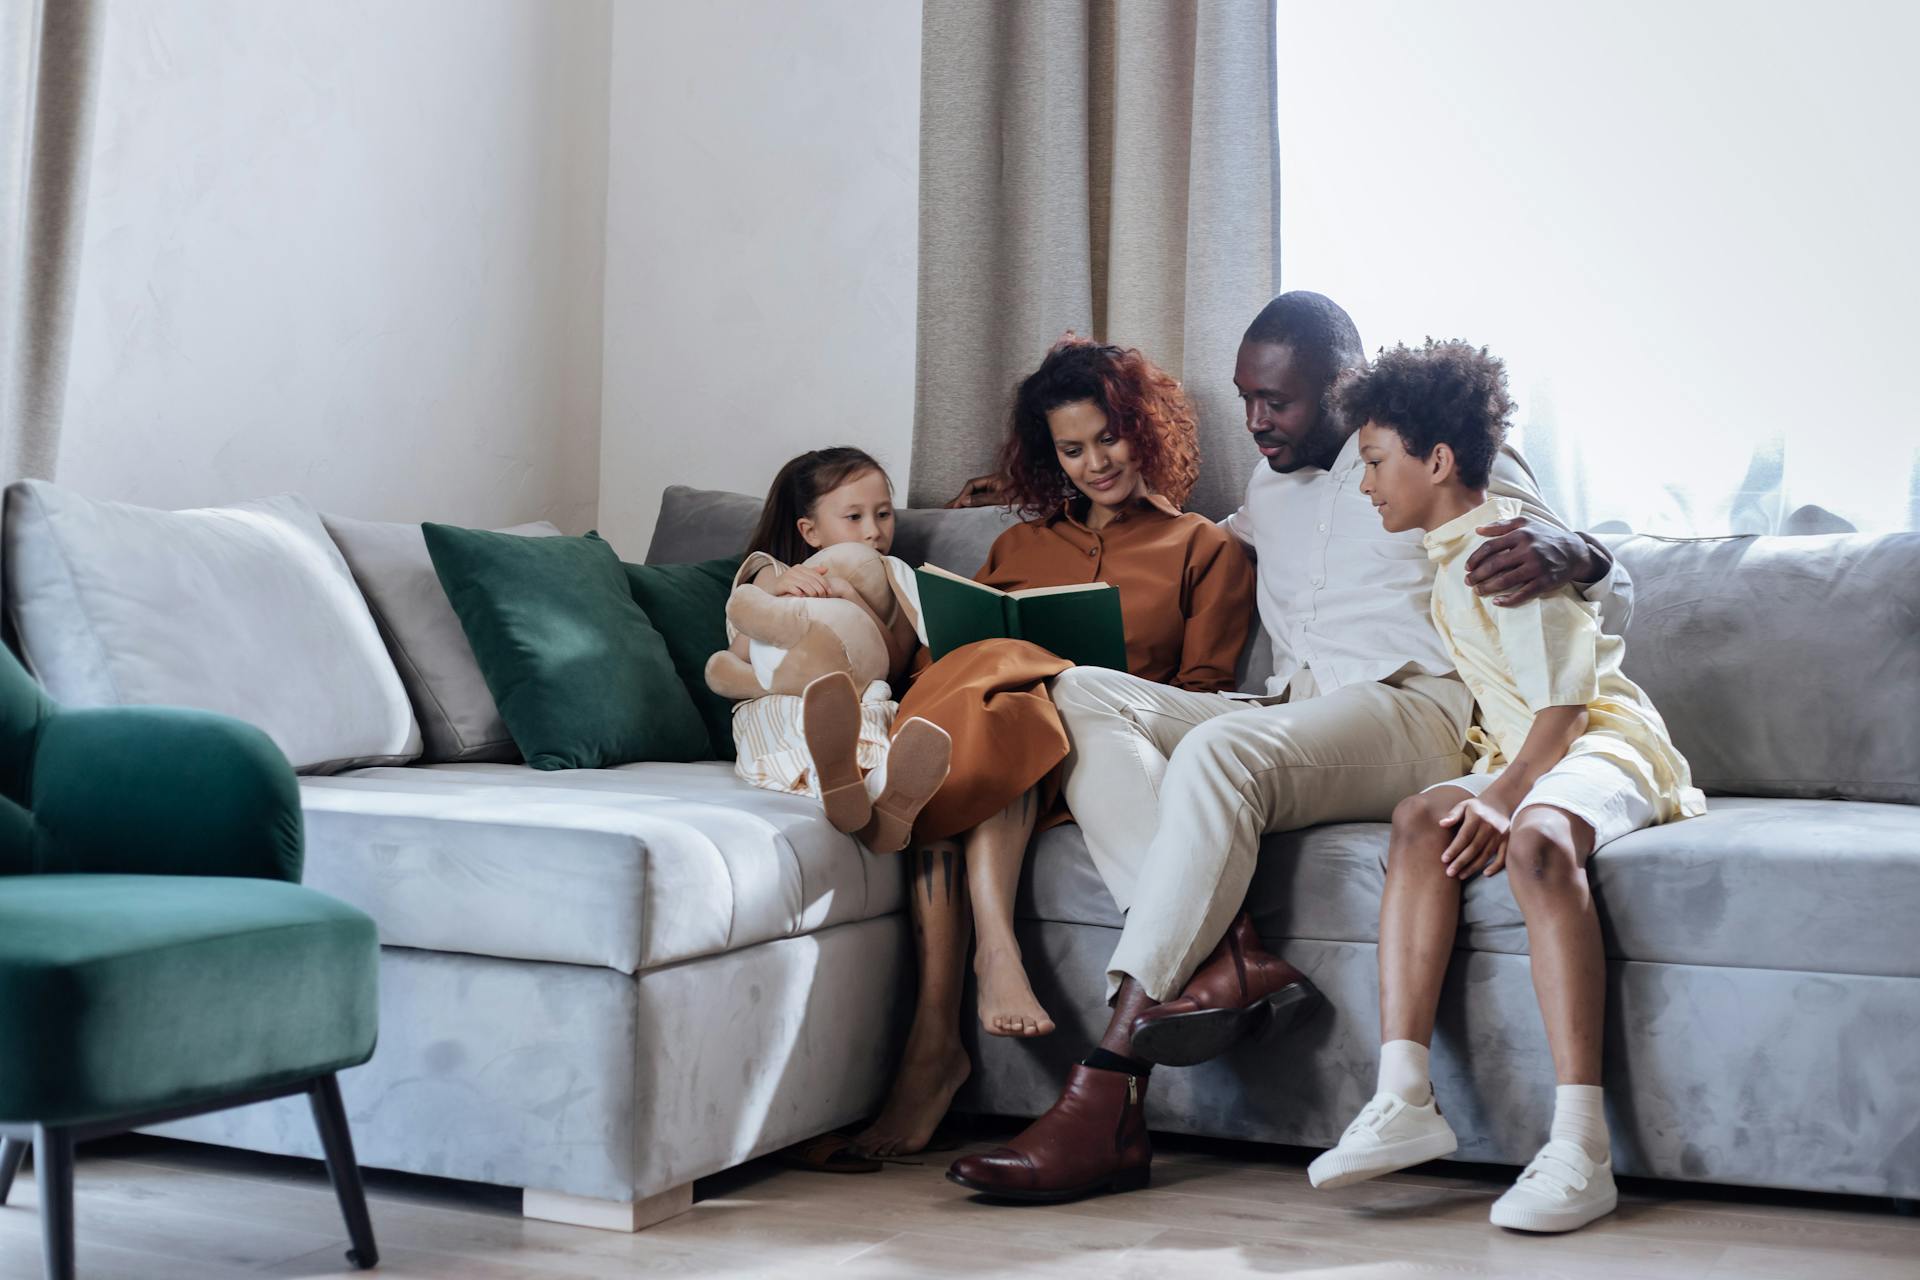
1080, 624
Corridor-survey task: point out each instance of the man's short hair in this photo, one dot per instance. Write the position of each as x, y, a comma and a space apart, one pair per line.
1450, 393
1317, 329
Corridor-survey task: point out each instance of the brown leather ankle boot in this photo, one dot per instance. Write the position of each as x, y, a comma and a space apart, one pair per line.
1093, 1139
1240, 988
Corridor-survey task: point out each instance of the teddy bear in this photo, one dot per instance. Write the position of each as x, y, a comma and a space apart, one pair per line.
781, 644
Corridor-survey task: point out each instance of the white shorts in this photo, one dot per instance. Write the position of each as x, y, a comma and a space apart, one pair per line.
1590, 787
770, 750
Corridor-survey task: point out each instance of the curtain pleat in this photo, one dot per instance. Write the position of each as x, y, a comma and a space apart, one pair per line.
49, 54
1106, 166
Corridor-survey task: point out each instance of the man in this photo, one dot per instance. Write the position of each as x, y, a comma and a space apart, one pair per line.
1173, 790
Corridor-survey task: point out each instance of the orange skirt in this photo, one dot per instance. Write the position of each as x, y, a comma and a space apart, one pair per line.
991, 698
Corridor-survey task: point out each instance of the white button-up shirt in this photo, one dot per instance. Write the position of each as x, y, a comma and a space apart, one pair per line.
1343, 598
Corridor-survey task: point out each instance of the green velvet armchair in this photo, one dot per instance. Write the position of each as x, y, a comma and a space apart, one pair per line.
158, 956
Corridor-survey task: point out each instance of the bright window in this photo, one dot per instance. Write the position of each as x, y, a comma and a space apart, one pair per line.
1691, 229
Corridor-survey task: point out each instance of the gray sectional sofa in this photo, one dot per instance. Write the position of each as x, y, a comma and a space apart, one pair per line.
598, 986
1764, 1006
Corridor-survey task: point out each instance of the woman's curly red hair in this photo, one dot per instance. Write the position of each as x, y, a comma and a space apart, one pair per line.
1144, 404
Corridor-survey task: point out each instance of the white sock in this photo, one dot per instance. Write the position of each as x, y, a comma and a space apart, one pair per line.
1580, 1116
1403, 1070
877, 779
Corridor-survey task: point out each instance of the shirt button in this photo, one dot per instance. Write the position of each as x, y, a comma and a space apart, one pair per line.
1323, 526
1093, 551
1316, 582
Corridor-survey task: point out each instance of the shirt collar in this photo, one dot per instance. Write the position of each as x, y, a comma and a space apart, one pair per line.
1349, 456
1444, 541
1152, 502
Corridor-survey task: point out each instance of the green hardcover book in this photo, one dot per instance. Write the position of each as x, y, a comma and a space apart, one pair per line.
1080, 623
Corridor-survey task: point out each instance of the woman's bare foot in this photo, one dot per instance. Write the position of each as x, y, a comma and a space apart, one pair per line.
1007, 1005
918, 1101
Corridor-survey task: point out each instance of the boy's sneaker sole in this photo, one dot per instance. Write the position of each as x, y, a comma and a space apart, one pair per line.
1543, 1220
1337, 1168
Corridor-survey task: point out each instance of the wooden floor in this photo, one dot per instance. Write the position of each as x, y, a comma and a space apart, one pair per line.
156, 1210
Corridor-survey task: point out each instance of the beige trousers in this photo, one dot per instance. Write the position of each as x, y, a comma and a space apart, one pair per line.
1173, 790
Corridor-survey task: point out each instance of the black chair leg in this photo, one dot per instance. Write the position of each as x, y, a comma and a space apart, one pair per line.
53, 1168
12, 1152
330, 1117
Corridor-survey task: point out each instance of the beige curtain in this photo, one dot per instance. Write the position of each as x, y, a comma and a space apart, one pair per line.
1107, 166
49, 58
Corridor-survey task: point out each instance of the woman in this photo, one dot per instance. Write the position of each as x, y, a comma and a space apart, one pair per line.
1100, 453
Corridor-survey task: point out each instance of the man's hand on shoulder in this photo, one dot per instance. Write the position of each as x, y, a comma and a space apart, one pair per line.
1523, 559
981, 491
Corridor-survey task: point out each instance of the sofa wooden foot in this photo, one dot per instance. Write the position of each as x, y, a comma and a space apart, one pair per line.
607, 1215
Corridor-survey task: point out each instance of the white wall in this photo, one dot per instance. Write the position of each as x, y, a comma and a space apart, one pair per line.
347, 249
761, 244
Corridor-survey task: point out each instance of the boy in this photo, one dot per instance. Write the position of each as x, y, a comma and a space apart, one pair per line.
1574, 756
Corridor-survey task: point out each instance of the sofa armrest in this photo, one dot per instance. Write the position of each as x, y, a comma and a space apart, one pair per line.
163, 791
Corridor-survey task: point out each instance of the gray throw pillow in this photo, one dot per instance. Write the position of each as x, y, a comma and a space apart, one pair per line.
457, 713
1783, 666
246, 610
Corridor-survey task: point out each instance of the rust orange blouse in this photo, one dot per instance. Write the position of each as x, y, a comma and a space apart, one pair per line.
1186, 587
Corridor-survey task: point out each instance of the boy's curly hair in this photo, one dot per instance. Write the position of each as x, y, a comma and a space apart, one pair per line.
1450, 393
1145, 406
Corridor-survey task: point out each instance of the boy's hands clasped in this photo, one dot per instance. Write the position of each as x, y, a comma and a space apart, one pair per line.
1480, 841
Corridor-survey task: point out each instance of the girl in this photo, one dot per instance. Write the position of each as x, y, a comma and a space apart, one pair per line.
1099, 455
832, 742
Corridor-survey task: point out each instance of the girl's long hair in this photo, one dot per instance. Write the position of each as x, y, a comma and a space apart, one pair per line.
1145, 406
797, 490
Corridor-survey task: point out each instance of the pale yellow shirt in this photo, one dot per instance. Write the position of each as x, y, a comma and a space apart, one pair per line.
1340, 596
1549, 652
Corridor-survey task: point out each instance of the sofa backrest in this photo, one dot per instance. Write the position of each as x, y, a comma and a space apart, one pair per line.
1784, 666
705, 524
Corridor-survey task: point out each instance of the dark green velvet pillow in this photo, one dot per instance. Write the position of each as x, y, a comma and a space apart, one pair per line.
582, 679
687, 603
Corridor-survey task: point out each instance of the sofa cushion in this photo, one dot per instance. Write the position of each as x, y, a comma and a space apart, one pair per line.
581, 677
1323, 882
703, 524
247, 610
625, 868
1784, 666
458, 717
1826, 886
687, 603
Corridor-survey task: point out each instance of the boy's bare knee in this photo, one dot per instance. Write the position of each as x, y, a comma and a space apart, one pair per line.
1540, 855
1418, 836
1411, 814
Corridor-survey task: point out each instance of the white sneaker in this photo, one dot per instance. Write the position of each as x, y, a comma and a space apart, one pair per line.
1561, 1190
1389, 1133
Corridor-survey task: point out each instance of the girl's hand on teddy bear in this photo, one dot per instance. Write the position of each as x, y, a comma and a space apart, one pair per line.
802, 581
